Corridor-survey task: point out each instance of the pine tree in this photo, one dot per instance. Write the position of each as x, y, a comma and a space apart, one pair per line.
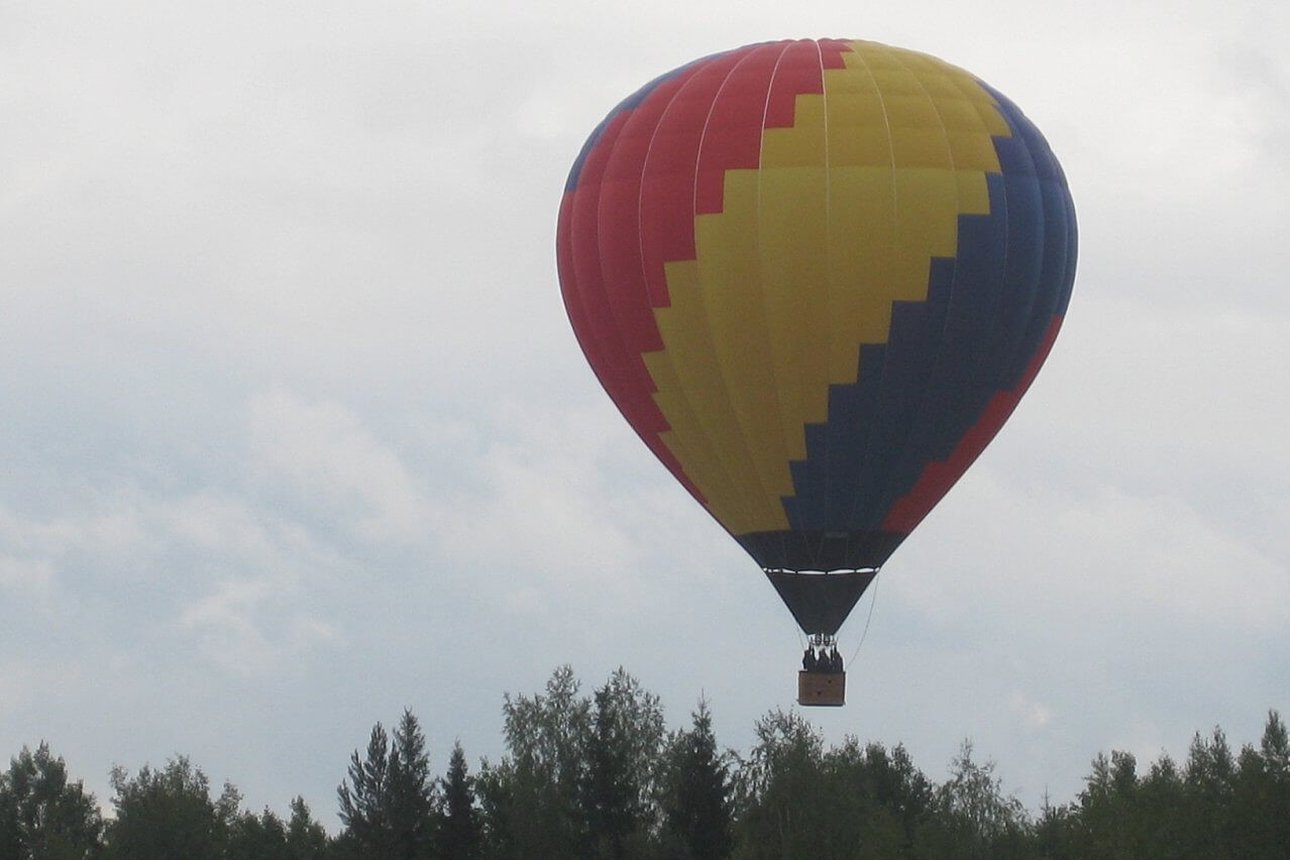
412, 799
459, 825
387, 804
306, 838
363, 798
623, 761
697, 794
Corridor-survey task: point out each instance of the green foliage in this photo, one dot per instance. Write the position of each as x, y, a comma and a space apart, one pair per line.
580, 778
1112, 810
306, 838
363, 808
1216, 805
1208, 778
623, 765
797, 800
974, 818
886, 797
413, 797
256, 837
388, 803
598, 778
1261, 794
460, 830
531, 799
695, 792
161, 814
43, 816
779, 809
1275, 748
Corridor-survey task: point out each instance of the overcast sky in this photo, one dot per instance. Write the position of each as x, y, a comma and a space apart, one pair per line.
296, 434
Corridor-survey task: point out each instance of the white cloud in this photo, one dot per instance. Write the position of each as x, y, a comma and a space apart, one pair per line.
248, 627
1163, 556
210, 523
539, 504
1033, 715
1109, 564
326, 453
26, 576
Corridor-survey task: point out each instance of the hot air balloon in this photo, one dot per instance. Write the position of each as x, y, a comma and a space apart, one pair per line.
816, 277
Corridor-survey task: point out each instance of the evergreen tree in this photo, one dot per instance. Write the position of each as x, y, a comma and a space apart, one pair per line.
697, 805
623, 754
412, 801
363, 798
306, 838
43, 815
387, 804
459, 825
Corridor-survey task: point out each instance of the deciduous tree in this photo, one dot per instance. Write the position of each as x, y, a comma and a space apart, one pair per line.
974, 818
43, 814
782, 806
530, 799
164, 814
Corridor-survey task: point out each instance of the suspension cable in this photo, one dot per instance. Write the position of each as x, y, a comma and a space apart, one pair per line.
869, 618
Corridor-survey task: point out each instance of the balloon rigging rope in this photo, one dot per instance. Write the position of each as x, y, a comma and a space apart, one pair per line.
872, 603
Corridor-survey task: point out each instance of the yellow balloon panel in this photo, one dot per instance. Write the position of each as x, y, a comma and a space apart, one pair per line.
801, 267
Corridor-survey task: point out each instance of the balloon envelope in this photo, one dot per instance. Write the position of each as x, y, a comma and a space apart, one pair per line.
816, 277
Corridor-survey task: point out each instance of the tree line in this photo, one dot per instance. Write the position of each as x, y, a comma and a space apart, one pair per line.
600, 777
